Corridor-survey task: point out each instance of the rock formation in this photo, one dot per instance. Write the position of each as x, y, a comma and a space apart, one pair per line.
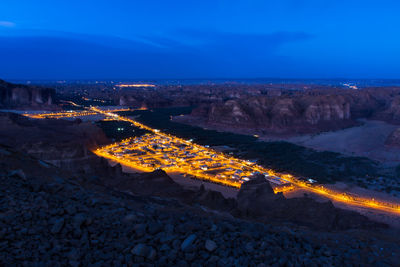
214, 200
23, 96
391, 114
60, 142
156, 183
256, 196
393, 139
297, 112
281, 114
256, 199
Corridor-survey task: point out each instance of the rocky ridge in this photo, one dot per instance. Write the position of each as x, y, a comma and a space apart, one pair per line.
299, 112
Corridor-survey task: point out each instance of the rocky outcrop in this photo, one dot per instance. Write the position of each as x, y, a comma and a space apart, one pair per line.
256, 199
391, 113
60, 142
214, 200
255, 195
394, 109
335, 108
393, 139
156, 183
298, 111
23, 96
280, 114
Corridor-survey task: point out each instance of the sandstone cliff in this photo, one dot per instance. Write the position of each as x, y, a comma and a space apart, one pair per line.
23, 96
280, 114
63, 143
300, 111
391, 113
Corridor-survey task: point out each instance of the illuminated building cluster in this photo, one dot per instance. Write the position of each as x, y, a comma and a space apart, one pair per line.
152, 151
59, 115
162, 150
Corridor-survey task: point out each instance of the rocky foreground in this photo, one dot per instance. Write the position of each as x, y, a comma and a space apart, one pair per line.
48, 217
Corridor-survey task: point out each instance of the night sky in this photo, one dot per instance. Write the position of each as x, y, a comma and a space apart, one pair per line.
85, 39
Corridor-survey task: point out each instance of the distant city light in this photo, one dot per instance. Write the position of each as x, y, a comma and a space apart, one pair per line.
136, 85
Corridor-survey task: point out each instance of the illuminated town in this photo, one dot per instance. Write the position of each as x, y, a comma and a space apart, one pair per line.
172, 154
227, 170
153, 151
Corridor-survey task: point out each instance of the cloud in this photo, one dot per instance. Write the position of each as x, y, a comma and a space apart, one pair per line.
7, 24
185, 55
222, 43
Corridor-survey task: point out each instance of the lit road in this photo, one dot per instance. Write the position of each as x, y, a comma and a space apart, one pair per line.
67, 114
135, 85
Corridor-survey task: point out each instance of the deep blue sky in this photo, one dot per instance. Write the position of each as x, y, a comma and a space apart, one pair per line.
77, 39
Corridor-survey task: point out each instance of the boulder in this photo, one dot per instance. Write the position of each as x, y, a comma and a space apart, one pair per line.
187, 243
210, 245
393, 140
214, 200
144, 251
255, 196
156, 183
